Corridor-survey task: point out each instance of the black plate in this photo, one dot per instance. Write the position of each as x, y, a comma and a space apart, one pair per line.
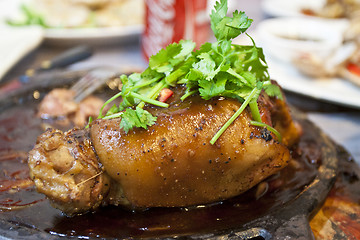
288, 219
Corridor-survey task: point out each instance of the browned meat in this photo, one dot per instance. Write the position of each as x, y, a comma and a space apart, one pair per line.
65, 169
170, 164
278, 115
60, 103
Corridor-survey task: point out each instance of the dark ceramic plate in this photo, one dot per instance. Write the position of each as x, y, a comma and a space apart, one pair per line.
282, 213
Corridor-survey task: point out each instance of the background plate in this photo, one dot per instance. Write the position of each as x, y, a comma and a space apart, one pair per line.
9, 9
286, 8
333, 90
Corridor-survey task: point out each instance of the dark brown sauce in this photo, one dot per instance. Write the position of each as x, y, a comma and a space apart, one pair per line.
19, 129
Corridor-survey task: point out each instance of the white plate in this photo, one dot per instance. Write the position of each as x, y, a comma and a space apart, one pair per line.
98, 36
15, 43
334, 90
289, 8
10, 9
289, 37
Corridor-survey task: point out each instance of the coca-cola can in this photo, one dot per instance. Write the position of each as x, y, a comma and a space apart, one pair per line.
169, 21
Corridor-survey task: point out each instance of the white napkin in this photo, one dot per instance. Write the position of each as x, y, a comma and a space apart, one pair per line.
15, 43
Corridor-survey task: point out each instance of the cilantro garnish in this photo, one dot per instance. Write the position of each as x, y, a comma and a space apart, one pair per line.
215, 69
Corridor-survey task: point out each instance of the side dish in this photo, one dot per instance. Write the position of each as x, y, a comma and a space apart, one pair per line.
80, 13
336, 9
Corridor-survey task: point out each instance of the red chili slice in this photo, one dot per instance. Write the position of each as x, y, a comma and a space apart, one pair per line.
353, 68
165, 94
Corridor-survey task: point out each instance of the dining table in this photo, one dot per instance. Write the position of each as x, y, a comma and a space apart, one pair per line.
340, 122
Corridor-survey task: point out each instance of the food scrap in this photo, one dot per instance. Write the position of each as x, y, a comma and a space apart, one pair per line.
59, 105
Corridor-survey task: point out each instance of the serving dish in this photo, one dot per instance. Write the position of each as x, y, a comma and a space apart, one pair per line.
333, 90
283, 8
70, 36
279, 214
286, 38
275, 37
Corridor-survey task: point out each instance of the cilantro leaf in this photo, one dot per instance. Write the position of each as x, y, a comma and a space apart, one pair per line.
210, 89
187, 46
273, 90
206, 66
181, 71
145, 118
161, 61
136, 118
226, 28
216, 16
166, 59
238, 24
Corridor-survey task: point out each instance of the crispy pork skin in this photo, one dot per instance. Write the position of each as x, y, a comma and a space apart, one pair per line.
65, 169
173, 164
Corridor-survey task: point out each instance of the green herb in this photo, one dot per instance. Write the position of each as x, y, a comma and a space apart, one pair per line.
215, 69
136, 118
31, 17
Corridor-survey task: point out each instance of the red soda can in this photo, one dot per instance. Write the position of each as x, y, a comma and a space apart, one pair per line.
169, 21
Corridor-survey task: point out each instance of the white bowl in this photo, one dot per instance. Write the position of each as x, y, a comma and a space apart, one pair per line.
290, 8
288, 38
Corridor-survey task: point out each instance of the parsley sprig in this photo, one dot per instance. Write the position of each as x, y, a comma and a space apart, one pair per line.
215, 69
